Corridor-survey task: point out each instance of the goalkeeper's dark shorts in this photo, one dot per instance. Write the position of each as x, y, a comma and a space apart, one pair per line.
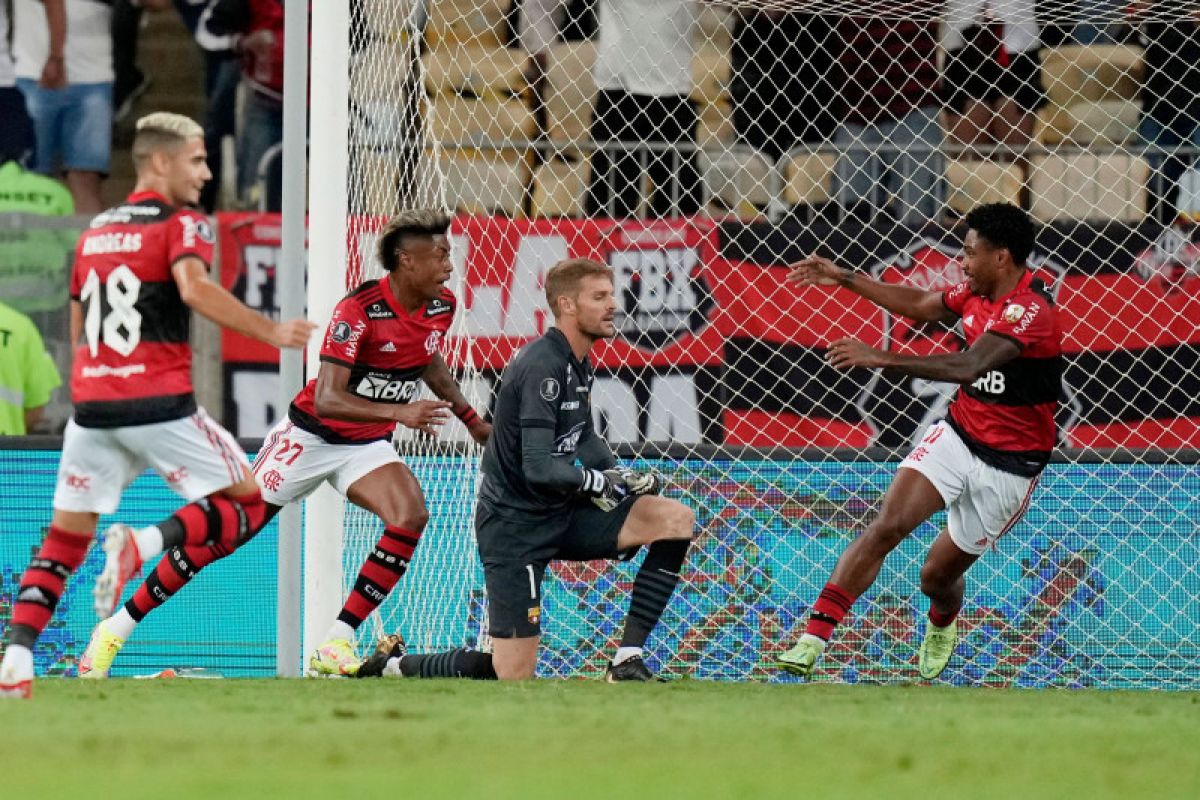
516, 547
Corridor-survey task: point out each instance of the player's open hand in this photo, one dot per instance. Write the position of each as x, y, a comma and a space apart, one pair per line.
293, 333
815, 271
849, 353
426, 416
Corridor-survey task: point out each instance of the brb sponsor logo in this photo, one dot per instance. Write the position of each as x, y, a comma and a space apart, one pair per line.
660, 292
380, 387
900, 408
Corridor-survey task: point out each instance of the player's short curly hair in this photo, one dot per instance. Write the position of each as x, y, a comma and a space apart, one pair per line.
421, 222
1003, 225
565, 276
160, 131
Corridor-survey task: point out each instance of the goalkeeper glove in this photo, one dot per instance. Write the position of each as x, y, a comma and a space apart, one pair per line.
607, 489
639, 483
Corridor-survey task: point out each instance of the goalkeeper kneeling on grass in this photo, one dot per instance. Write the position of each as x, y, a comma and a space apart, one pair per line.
535, 505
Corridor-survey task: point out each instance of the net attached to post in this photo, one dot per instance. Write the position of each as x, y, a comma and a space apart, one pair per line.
699, 149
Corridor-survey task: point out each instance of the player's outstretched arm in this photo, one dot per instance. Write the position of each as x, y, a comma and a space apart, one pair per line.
334, 401
439, 380
989, 352
907, 301
214, 301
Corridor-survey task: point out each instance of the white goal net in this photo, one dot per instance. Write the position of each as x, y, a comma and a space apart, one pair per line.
698, 148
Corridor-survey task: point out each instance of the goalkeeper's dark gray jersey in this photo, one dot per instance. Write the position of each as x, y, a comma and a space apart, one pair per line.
541, 423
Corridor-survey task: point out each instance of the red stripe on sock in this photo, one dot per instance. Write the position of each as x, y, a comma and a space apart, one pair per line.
940, 620
62, 547
832, 604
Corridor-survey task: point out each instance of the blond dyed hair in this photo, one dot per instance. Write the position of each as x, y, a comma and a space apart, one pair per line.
160, 131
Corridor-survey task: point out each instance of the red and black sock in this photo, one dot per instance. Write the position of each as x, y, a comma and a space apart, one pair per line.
941, 619
380, 573
215, 520
173, 571
828, 612
42, 584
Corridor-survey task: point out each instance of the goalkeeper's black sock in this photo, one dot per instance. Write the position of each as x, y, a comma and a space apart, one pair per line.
457, 663
652, 589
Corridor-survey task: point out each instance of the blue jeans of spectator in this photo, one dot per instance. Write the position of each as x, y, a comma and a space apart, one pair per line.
222, 75
72, 125
1100, 15
1167, 167
262, 127
896, 159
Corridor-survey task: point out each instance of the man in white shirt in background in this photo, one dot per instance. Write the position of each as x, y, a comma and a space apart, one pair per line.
643, 72
16, 134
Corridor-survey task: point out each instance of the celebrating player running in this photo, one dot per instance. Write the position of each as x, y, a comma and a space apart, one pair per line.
983, 461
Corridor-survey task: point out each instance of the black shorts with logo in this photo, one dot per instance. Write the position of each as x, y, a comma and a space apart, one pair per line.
516, 548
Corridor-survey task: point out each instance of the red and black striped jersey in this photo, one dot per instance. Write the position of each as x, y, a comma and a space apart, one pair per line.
1006, 417
134, 366
386, 349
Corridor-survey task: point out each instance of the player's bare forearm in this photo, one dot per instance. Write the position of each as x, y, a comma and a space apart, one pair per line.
916, 304
907, 301
439, 380
215, 302
75, 324
989, 352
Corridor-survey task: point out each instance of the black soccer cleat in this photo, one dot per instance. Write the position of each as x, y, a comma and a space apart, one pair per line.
631, 669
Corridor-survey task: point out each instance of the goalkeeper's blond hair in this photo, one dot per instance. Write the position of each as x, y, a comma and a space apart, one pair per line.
160, 131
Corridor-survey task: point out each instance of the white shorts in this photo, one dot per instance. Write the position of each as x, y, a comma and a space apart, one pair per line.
293, 462
194, 455
982, 502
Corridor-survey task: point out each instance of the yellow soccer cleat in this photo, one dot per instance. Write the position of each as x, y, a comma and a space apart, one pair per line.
936, 649
97, 659
801, 659
336, 658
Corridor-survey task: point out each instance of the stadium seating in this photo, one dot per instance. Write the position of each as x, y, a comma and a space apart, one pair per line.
571, 92
455, 118
451, 22
558, 189
807, 178
485, 183
1088, 186
737, 181
970, 182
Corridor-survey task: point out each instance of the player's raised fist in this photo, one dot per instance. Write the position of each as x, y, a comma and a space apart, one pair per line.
423, 415
293, 333
815, 271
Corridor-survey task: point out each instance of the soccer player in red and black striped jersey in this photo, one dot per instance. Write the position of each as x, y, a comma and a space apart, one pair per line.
383, 341
140, 268
983, 461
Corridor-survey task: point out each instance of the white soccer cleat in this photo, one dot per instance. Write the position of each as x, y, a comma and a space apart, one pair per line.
16, 674
122, 561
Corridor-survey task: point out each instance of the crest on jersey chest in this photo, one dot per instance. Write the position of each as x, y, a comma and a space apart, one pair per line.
897, 407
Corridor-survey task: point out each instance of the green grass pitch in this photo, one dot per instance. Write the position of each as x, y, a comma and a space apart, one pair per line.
181, 739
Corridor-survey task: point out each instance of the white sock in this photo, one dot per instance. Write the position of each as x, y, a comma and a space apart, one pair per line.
626, 653
17, 664
820, 643
121, 623
340, 630
149, 542
392, 668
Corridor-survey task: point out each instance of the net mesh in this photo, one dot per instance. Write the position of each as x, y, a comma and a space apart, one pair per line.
698, 149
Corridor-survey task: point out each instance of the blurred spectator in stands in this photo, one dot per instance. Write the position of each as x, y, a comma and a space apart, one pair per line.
27, 373
992, 77
889, 137
643, 72
221, 76
25, 192
67, 86
1170, 102
16, 134
780, 85
256, 31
